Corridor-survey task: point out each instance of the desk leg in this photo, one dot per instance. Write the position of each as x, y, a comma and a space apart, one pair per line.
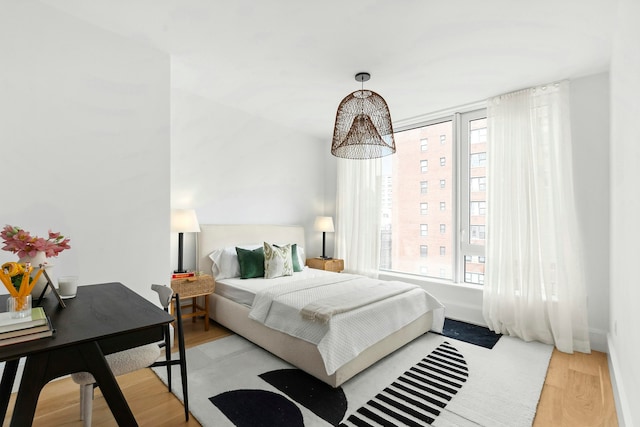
8, 378
105, 379
34, 377
194, 308
41, 368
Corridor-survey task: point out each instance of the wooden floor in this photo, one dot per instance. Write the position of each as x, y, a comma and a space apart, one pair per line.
577, 392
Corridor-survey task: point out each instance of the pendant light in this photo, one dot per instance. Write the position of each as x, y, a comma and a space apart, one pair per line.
363, 127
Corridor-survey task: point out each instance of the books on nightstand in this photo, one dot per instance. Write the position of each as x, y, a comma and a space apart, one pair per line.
29, 328
183, 275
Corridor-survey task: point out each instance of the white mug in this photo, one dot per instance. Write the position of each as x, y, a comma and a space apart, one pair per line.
67, 285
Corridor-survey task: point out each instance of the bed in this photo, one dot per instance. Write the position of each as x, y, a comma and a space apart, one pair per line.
232, 303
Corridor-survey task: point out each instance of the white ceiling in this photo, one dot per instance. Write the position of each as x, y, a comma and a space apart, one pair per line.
292, 61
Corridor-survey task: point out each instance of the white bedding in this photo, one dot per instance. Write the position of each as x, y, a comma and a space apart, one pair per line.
364, 292
233, 298
277, 304
243, 291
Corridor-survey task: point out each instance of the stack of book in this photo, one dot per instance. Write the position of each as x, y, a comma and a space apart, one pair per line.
184, 275
29, 328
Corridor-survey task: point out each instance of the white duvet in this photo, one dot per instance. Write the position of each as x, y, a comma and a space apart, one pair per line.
348, 332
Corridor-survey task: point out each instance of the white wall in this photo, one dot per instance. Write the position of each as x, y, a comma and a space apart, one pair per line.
590, 127
84, 132
590, 135
235, 168
624, 338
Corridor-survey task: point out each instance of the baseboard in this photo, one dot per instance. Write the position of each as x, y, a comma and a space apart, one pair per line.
619, 396
465, 313
598, 340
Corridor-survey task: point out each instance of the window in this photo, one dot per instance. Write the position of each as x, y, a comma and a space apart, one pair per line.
477, 278
478, 184
478, 136
477, 232
478, 208
460, 180
478, 160
473, 271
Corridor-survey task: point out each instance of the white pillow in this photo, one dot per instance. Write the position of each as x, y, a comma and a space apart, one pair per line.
277, 261
225, 261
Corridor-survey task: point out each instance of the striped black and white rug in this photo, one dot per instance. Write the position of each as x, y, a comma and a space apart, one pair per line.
435, 380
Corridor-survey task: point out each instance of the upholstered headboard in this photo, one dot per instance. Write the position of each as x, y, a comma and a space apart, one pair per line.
218, 236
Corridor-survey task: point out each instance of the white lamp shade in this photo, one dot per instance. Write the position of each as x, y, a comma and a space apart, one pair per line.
184, 221
324, 223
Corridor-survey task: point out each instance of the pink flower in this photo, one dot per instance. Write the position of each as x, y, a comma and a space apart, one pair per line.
21, 242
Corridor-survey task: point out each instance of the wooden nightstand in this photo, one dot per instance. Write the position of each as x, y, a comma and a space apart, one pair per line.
193, 287
333, 264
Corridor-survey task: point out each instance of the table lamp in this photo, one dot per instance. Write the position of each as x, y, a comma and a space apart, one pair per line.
324, 224
183, 221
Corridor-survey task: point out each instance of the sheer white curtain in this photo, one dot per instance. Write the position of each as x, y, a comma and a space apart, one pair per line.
534, 286
358, 207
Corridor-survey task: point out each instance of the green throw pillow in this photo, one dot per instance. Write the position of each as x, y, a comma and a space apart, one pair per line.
251, 262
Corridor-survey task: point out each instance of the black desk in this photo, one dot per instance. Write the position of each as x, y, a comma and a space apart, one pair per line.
100, 320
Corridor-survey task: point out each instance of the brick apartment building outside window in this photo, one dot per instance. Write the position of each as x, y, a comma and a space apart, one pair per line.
404, 250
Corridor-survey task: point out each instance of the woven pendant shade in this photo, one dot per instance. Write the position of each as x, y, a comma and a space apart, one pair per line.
363, 127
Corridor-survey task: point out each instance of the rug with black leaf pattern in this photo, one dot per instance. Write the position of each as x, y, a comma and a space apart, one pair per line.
434, 380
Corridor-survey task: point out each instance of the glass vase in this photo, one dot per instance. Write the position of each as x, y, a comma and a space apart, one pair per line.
19, 307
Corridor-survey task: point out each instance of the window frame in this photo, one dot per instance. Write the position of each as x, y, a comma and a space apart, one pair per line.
424, 189
465, 248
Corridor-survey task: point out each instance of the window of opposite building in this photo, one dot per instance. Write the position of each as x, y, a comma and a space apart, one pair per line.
460, 199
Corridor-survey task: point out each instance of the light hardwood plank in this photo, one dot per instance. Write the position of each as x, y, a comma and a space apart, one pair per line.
577, 392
